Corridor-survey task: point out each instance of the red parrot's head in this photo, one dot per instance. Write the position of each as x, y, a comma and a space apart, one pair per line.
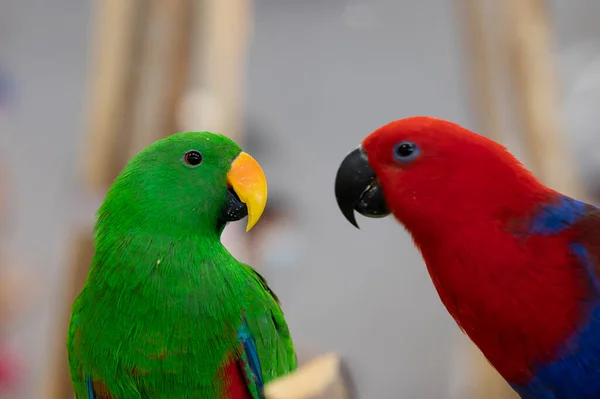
422, 167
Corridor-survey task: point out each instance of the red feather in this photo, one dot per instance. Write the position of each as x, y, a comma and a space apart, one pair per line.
467, 203
235, 379
101, 390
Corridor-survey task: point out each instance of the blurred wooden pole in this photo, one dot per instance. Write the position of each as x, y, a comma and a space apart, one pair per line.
162, 72
535, 85
115, 50
219, 67
480, 67
140, 70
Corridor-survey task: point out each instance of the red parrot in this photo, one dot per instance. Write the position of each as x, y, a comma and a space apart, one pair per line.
514, 262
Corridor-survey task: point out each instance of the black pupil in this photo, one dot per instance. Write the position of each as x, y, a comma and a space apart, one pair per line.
193, 158
405, 149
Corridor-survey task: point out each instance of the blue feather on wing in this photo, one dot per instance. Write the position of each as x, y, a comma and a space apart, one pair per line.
90, 389
249, 344
575, 374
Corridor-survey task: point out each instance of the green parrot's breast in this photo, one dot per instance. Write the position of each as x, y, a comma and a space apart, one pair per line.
166, 330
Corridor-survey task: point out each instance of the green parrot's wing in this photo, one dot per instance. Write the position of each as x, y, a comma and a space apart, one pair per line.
267, 325
261, 280
77, 378
262, 351
83, 385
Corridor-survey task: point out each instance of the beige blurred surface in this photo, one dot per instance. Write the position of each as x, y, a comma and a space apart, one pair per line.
322, 378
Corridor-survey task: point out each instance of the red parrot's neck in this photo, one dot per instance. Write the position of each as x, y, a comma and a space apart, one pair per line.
509, 291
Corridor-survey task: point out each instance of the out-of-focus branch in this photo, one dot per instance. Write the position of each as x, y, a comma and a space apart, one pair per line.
536, 89
480, 67
162, 72
215, 97
115, 48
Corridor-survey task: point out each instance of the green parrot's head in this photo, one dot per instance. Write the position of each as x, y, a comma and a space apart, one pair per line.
188, 182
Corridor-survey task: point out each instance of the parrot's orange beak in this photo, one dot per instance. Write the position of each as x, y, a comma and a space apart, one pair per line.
248, 180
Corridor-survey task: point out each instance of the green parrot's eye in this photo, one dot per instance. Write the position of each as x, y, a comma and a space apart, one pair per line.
192, 158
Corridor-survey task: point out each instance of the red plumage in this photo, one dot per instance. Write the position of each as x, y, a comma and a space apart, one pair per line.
233, 375
467, 202
235, 380
101, 390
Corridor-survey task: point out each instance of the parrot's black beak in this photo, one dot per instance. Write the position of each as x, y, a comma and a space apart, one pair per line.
357, 188
233, 210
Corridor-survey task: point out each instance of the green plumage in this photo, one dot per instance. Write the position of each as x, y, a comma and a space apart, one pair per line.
163, 302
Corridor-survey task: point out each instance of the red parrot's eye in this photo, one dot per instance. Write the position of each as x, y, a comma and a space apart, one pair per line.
405, 151
192, 158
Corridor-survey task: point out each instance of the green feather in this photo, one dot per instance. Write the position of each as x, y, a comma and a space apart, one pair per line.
159, 313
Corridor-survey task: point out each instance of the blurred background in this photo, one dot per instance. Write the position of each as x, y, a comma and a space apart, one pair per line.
86, 84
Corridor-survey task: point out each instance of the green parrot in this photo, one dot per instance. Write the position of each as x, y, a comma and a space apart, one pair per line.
166, 311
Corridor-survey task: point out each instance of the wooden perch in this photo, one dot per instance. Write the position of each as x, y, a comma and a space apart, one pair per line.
219, 62
138, 76
535, 85
323, 378
480, 67
115, 48
162, 72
